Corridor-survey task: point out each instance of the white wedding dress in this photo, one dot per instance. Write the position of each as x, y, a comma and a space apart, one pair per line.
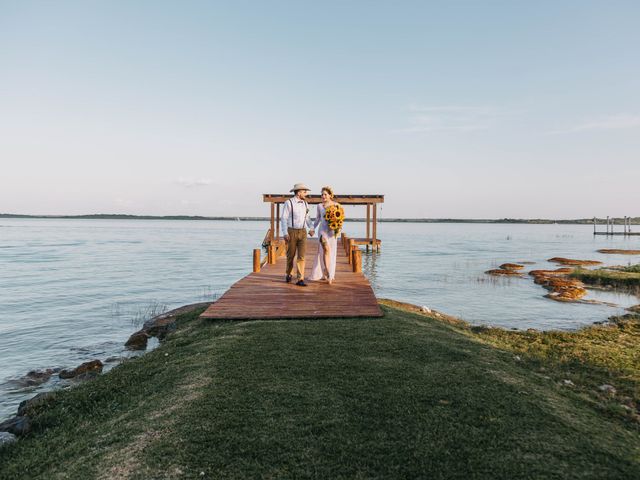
332, 243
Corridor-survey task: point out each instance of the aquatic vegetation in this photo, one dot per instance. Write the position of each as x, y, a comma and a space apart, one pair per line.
618, 251
623, 277
502, 271
562, 288
511, 266
506, 269
571, 261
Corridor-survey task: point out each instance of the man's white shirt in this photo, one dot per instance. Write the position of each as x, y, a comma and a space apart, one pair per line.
296, 218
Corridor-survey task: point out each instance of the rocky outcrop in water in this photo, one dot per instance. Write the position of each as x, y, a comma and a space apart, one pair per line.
137, 341
562, 288
159, 326
6, 438
19, 425
39, 400
511, 266
540, 276
502, 271
506, 269
618, 251
571, 261
83, 371
34, 378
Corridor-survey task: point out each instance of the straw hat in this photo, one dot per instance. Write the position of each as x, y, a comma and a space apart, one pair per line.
299, 186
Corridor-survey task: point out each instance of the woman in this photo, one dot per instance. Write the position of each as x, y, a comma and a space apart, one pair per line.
325, 265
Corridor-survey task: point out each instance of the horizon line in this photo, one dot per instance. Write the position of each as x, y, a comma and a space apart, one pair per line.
126, 216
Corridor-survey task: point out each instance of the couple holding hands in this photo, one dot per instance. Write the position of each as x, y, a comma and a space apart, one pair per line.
295, 220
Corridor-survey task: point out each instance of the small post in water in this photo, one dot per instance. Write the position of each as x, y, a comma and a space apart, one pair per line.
352, 244
357, 261
256, 260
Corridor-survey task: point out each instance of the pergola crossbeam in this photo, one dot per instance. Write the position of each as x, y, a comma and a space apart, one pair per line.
370, 201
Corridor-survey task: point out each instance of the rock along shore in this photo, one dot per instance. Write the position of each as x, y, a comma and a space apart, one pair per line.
159, 326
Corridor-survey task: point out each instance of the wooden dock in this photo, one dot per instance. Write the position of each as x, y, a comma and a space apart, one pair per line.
626, 234
266, 295
609, 227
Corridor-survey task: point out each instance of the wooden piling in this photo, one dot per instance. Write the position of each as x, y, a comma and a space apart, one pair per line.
375, 227
272, 222
256, 260
357, 260
368, 226
352, 245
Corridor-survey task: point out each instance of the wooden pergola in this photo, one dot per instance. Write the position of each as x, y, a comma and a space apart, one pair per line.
370, 201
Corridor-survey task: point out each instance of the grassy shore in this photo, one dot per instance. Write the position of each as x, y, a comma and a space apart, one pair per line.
626, 278
404, 396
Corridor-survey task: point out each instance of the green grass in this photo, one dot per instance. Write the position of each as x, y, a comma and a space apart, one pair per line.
624, 277
404, 396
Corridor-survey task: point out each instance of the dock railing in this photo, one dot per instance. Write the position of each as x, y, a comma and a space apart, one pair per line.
609, 226
273, 248
277, 248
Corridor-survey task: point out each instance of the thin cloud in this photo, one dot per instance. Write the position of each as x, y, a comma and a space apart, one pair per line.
123, 202
608, 122
190, 203
193, 182
452, 118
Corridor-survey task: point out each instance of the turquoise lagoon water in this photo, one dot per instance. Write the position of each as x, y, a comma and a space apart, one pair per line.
74, 290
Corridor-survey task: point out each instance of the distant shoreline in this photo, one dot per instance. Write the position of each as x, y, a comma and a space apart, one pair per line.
535, 221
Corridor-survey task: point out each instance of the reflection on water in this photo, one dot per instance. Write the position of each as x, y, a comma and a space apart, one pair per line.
442, 266
74, 290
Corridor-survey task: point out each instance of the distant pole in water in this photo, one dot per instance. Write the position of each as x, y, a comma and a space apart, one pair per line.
607, 224
594, 225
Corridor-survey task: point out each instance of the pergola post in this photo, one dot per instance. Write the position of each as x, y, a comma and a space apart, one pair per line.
277, 220
272, 215
368, 225
375, 226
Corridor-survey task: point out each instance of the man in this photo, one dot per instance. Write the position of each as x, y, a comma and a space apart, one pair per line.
295, 220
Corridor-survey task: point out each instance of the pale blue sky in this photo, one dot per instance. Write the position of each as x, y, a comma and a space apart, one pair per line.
475, 109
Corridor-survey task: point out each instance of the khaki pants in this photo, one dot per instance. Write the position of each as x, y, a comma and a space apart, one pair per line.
297, 243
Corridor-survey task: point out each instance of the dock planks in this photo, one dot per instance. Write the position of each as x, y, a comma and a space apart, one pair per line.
265, 295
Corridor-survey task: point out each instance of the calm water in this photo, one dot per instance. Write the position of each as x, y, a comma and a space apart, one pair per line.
74, 290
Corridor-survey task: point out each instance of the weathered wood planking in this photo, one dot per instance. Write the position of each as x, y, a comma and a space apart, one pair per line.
265, 295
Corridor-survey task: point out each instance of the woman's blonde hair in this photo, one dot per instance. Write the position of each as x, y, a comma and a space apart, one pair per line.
329, 190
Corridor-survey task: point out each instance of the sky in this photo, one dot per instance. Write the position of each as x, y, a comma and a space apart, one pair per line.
456, 109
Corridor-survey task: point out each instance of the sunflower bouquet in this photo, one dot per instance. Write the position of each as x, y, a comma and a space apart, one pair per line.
334, 215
